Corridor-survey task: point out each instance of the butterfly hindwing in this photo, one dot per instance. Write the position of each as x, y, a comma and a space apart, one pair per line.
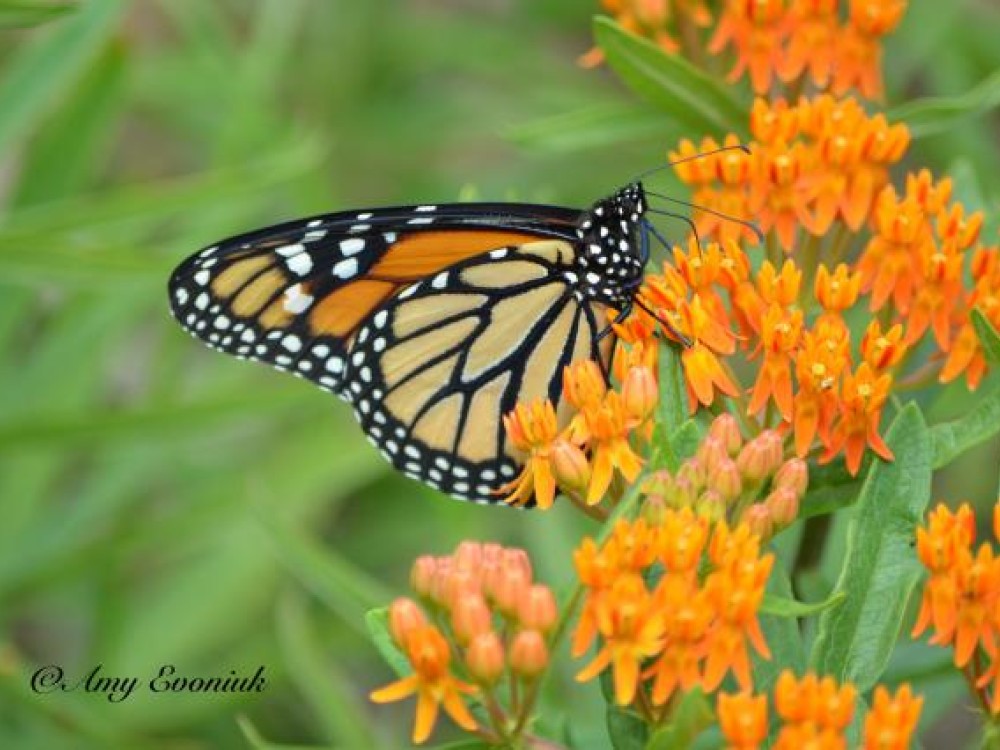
435, 368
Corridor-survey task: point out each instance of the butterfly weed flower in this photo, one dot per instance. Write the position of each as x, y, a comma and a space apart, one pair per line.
432, 681
832, 45
482, 624
742, 719
892, 719
961, 597
814, 711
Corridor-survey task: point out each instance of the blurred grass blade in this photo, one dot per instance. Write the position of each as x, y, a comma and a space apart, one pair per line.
72, 147
318, 678
880, 569
19, 14
935, 115
163, 422
703, 103
256, 740
594, 127
41, 71
155, 201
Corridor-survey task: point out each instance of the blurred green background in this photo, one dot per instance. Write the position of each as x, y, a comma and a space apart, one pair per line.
160, 504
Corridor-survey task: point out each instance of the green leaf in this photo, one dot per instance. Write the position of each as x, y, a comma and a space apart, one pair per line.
688, 719
43, 70
933, 115
626, 730
15, 14
855, 640
377, 622
951, 439
988, 336
781, 606
699, 101
323, 683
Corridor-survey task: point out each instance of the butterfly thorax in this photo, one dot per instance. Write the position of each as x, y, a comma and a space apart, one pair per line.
613, 249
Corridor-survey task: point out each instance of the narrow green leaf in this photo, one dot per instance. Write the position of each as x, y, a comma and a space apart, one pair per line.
855, 640
781, 606
323, 684
163, 422
43, 70
19, 14
256, 740
988, 336
72, 147
933, 115
596, 127
691, 96
377, 622
671, 411
688, 719
951, 439
783, 638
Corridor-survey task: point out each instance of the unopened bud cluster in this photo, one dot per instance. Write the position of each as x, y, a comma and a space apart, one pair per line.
478, 592
728, 477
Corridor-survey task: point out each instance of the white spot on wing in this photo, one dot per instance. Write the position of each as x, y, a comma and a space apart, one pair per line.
352, 246
346, 269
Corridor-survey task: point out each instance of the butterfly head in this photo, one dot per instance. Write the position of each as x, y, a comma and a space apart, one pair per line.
614, 246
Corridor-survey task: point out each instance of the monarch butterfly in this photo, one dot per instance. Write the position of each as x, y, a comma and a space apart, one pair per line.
433, 321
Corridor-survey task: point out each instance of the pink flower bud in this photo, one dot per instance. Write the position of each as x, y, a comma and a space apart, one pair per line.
793, 474
405, 615
727, 430
783, 503
537, 608
725, 479
570, 466
640, 393
422, 575
469, 617
485, 658
529, 656
758, 518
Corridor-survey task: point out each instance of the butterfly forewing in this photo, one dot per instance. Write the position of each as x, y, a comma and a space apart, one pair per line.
294, 295
435, 369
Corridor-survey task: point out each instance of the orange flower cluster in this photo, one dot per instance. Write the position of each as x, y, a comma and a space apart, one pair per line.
815, 165
835, 45
580, 452
961, 599
659, 20
491, 621
726, 477
817, 177
815, 712
689, 628
788, 39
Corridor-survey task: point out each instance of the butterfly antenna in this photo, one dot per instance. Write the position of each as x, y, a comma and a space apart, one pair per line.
684, 340
704, 154
659, 237
743, 222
